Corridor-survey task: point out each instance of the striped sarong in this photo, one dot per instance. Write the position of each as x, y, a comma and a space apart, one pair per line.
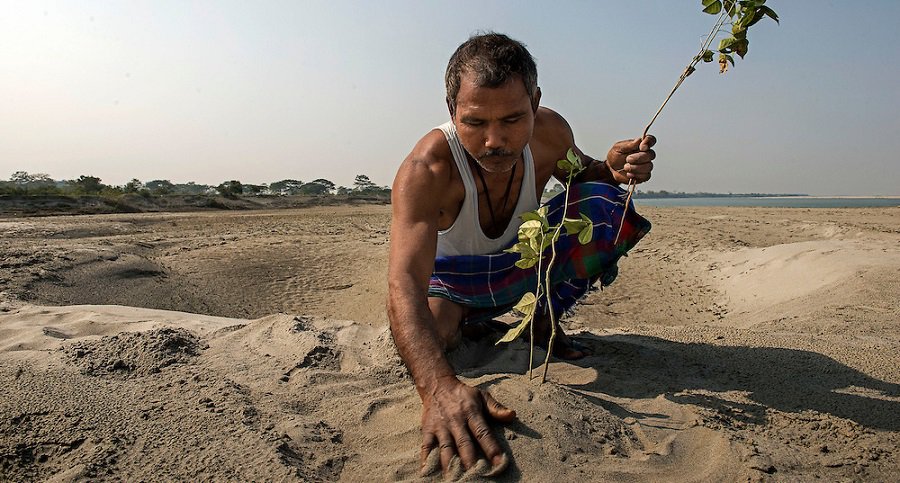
493, 284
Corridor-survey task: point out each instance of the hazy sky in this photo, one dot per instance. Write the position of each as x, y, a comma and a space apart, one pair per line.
264, 90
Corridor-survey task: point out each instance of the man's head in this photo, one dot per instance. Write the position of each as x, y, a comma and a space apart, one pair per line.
493, 97
492, 59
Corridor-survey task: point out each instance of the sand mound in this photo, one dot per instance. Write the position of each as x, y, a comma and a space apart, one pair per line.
308, 398
759, 284
134, 354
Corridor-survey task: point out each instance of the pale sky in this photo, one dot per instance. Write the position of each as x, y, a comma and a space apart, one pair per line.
262, 91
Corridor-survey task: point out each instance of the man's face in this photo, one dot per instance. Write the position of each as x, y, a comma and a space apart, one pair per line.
494, 123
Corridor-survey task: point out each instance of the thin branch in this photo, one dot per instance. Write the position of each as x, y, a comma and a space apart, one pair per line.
684, 74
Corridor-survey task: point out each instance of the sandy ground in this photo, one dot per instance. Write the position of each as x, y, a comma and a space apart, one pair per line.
738, 344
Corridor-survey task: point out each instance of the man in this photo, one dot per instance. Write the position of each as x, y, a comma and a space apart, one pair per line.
458, 193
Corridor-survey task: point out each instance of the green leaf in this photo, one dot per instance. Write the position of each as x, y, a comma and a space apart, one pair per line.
535, 245
573, 225
526, 251
757, 16
526, 304
725, 44
586, 234
546, 242
572, 163
530, 229
526, 263
707, 56
729, 59
769, 13
576, 162
522, 248
730, 6
542, 212
530, 215
713, 8
740, 47
516, 331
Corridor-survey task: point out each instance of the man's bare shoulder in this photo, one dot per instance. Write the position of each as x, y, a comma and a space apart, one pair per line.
430, 160
551, 139
551, 130
428, 181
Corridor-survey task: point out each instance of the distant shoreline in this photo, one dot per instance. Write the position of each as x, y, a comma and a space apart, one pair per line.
882, 201
839, 197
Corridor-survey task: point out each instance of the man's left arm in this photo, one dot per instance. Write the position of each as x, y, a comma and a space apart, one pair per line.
630, 159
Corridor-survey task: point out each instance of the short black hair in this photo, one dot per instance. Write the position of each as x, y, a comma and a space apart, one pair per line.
494, 59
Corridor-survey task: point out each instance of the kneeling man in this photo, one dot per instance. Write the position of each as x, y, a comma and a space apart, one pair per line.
456, 204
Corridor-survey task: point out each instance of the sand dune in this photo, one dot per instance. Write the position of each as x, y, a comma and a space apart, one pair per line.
737, 344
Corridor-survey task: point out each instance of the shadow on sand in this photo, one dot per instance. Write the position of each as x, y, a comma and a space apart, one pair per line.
789, 380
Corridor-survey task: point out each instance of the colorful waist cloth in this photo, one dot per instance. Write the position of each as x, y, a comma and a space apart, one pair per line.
493, 283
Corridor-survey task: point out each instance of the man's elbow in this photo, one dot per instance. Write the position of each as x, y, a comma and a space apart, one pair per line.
394, 309
391, 309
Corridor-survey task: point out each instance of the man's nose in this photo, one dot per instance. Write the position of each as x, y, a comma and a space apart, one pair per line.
494, 137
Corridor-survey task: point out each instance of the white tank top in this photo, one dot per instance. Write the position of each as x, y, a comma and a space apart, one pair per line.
465, 236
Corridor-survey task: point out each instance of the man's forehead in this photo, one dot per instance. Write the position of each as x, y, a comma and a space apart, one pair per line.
511, 94
472, 79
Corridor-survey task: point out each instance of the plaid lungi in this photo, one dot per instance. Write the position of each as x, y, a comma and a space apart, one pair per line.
494, 284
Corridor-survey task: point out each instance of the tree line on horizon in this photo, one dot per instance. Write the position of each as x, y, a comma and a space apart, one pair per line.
24, 183
34, 184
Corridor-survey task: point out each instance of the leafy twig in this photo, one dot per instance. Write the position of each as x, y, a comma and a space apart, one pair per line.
536, 234
743, 14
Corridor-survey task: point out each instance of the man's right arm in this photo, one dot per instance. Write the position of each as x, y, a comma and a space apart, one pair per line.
453, 414
414, 226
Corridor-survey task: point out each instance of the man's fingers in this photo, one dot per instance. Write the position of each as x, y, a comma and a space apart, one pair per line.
448, 451
486, 440
635, 145
496, 410
429, 461
464, 446
627, 146
429, 442
640, 157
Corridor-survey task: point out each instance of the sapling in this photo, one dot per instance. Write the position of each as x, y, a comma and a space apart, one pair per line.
536, 234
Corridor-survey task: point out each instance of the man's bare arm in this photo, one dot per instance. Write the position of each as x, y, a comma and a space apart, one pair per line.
626, 160
453, 414
413, 245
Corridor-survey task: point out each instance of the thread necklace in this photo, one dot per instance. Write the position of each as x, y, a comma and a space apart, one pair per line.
487, 193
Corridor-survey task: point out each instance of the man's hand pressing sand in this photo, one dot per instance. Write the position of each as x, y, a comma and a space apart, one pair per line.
454, 424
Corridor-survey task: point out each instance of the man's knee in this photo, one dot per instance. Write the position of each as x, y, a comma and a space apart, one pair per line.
447, 318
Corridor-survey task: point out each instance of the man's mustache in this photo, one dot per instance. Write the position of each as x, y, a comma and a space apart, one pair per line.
496, 153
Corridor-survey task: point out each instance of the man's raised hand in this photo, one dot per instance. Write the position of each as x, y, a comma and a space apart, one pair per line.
632, 159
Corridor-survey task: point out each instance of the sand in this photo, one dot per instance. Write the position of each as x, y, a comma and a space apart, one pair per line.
738, 344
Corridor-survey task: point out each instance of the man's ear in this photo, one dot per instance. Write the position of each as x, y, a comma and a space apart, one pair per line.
536, 99
450, 107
